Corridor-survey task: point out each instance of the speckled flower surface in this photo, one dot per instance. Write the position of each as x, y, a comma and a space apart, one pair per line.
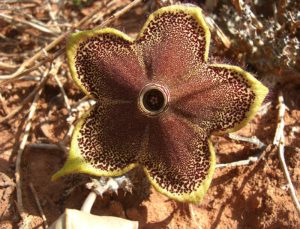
159, 100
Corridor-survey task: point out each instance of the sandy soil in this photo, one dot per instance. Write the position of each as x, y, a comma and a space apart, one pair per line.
249, 196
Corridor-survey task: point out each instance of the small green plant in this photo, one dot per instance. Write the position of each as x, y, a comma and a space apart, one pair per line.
159, 100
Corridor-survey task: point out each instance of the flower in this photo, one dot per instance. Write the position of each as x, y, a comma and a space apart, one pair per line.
158, 102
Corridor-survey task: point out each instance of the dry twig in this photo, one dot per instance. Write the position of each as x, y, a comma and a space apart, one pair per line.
47, 146
251, 159
20, 71
23, 214
280, 125
280, 142
42, 83
253, 140
63, 93
38, 204
3, 103
41, 26
20, 151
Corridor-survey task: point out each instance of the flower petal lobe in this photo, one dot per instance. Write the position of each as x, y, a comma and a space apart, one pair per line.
180, 160
224, 102
172, 42
106, 141
104, 63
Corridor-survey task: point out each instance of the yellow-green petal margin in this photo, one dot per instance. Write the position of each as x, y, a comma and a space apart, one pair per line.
76, 38
194, 11
256, 86
197, 195
76, 163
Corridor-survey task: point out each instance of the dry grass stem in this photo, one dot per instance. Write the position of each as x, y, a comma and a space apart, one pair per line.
248, 161
253, 140
214, 28
280, 124
61, 88
20, 151
46, 146
37, 66
279, 140
42, 83
119, 13
34, 192
23, 143
19, 72
6, 66
3, 104
53, 15
40, 26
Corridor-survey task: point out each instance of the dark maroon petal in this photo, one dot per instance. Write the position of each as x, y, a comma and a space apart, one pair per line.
220, 99
173, 42
104, 63
179, 160
110, 137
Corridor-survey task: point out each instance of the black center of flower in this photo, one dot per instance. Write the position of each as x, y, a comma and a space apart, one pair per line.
153, 99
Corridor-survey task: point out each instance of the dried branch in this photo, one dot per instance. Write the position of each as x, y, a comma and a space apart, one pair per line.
63, 92
3, 103
47, 146
280, 123
38, 205
41, 26
248, 161
279, 140
19, 72
253, 140
6, 66
23, 214
214, 28
20, 151
42, 83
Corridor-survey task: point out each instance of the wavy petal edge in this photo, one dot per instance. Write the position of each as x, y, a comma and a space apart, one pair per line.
74, 40
76, 163
256, 86
195, 11
195, 196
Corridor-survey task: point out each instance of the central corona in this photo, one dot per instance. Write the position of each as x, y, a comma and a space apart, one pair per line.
153, 99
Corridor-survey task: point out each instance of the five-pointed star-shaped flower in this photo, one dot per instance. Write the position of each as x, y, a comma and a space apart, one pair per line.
158, 102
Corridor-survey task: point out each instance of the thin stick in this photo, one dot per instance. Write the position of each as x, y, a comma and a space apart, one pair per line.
23, 214
279, 140
253, 140
251, 159
20, 151
280, 123
192, 214
63, 93
38, 205
119, 13
4, 106
52, 15
6, 66
216, 29
59, 39
44, 80
47, 146
39, 26
287, 176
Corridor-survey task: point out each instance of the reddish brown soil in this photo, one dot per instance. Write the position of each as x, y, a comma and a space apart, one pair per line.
251, 196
